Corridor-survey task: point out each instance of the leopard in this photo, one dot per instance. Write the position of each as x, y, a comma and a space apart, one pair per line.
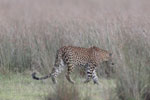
72, 57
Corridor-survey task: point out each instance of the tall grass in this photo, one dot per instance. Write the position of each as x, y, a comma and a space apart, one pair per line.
133, 75
31, 32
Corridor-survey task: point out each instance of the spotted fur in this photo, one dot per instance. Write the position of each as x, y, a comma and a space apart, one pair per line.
71, 57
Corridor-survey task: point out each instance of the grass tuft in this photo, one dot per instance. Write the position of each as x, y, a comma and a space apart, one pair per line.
65, 91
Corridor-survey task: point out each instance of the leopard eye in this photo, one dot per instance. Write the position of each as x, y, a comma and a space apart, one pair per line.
110, 54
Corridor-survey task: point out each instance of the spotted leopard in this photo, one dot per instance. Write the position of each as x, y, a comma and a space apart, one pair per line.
72, 56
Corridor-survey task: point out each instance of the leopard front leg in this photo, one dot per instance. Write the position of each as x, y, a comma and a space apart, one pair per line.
70, 69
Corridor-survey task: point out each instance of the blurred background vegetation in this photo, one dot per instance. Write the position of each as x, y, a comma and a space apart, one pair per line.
32, 30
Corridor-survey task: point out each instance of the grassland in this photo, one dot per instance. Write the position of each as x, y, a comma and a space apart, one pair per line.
19, 87
23, 87
32, 30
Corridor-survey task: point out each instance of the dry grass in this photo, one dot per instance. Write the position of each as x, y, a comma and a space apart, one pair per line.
65, 91
31, 32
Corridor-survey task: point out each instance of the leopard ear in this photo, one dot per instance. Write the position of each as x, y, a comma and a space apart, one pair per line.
94, 47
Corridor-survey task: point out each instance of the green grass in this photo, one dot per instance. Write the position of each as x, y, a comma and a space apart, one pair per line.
23, 87
20, 87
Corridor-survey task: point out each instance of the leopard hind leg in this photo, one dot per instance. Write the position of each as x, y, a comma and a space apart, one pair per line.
58, 68
70, 69
94, 77
91, 74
